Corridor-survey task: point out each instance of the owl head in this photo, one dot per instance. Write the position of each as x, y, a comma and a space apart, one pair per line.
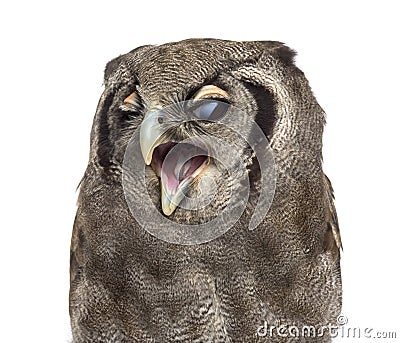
197, 110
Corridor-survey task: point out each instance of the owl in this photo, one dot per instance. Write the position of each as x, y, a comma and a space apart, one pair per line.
204, 214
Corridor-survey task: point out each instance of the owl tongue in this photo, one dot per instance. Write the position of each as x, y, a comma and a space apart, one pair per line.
177, 165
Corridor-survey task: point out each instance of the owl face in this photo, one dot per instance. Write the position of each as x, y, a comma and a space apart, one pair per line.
195, 119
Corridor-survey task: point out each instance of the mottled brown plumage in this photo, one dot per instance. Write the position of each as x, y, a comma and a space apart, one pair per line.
129, 286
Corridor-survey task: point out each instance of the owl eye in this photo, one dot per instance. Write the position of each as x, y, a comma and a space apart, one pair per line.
211, 110
132, 103
132, 99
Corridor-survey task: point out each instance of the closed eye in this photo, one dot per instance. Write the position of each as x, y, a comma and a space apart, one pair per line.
132, 103
209, 109
210, 103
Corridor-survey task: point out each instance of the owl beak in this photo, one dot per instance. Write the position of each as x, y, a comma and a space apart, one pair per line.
171, 197
185, 162
150, 134
178, 172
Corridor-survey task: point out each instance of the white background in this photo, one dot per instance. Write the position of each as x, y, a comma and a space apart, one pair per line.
52, 60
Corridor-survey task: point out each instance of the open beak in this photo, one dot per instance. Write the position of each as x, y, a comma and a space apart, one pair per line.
176, 164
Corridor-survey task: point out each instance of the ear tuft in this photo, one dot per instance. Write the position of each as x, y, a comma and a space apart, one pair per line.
286, 54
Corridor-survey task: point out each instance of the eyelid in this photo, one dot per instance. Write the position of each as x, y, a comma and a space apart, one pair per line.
210, 91
132, 103
209, 109
132, 99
